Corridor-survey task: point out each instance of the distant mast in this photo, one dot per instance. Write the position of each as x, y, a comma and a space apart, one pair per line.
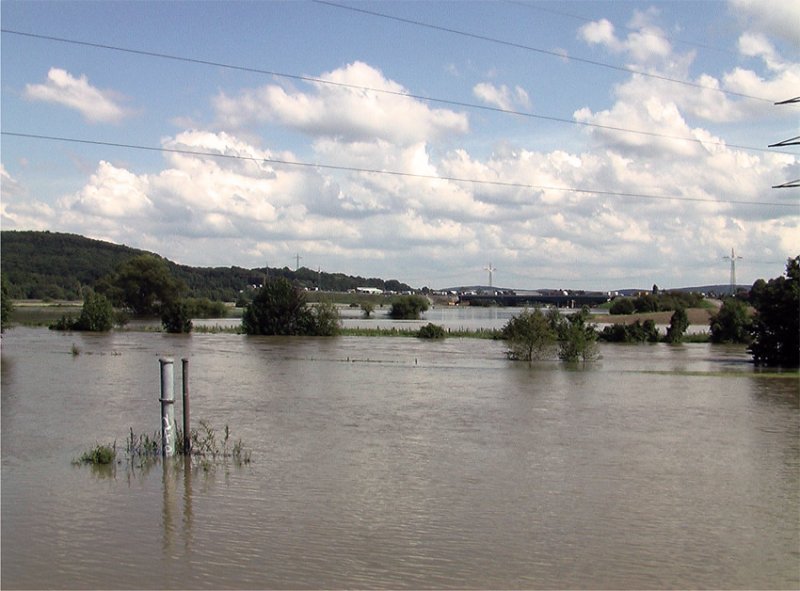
732, 259
491, 270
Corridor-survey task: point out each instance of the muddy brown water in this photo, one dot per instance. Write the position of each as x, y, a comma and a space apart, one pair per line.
400, 463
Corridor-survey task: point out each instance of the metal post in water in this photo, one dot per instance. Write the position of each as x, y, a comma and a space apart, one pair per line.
167, 407
187, 441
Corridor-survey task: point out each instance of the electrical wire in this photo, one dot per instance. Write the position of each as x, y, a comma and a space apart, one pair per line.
551, 53
506, 184
537, 7
450, 102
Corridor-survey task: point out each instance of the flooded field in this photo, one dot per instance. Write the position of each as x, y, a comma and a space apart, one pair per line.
400, 463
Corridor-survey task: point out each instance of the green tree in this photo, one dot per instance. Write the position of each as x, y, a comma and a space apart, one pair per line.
731, 324
622, 306
367, 308
529, 336
646, 303
577, 339
6, 305
143, 284
279, 308
176, 316
408, 307
677, 326
776, 326
325, 320
97, 315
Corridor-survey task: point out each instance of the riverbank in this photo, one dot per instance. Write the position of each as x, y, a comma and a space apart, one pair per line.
465, 322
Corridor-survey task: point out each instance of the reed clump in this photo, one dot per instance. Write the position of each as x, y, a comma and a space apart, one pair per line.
99, 455
206, 446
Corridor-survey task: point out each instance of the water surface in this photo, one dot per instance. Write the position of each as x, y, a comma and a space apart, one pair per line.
401, 463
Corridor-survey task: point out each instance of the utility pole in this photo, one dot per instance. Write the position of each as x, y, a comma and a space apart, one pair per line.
733, 259
795, 141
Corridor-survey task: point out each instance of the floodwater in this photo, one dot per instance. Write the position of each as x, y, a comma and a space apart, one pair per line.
400, 463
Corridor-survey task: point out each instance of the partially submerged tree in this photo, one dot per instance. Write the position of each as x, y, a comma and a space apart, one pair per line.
577, 339
143, 284
529, 335
408, 307
776, 326
97, 315
677, 326
6, 305
176, 317
367, 308
279, 308
732, 323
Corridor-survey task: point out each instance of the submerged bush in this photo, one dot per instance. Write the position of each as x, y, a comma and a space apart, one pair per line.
176, 317
431, 331
97, 315
636, 332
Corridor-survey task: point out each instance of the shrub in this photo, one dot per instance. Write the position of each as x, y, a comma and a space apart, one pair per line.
97, 315
636, 332
324, 320
205, 308
431, 331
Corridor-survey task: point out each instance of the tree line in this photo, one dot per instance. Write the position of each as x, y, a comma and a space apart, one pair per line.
772, 332
145, 285
60, 266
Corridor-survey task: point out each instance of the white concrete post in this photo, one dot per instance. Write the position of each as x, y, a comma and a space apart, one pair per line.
167, 407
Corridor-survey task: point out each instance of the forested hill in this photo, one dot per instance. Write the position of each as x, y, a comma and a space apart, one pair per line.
40, 265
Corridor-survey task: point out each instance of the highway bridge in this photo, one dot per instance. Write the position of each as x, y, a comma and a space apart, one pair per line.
560, 299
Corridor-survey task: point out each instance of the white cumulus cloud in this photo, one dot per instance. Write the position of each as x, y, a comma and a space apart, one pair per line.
344, 109
779, 18
96, 106
502, 96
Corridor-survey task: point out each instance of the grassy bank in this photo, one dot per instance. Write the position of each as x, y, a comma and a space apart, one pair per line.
698, 316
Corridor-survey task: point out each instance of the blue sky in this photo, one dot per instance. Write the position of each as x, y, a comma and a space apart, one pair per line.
546, 191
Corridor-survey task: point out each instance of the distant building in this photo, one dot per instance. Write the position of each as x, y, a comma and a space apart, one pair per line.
369, 290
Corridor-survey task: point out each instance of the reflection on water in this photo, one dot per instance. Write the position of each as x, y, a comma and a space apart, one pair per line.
400, 463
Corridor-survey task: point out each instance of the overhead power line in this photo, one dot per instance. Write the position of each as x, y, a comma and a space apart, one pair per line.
508, 184
540, 50
649, 33
409, 95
